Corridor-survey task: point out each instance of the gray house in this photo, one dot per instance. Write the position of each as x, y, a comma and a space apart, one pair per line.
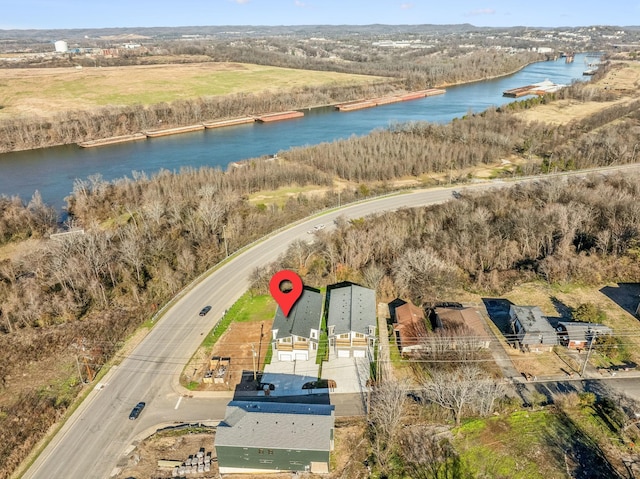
532, 329
296, 336
577, 335
267, 437
351, 322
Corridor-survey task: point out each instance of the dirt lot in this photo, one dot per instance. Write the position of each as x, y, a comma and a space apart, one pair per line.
346, 461
44, 91
236, 344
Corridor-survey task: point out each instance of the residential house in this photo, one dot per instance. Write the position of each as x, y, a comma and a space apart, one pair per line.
296, 336
351, 321
267, 437
462, 325
409, 327
532, 329
577, 335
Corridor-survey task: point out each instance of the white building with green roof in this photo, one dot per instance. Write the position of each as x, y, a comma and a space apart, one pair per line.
267, 437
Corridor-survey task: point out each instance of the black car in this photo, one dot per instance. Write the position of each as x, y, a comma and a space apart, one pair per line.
135, 412
205, 310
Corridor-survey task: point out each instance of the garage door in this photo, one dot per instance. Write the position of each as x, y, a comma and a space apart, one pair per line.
359, 353
302, 356
344, 353
285, 356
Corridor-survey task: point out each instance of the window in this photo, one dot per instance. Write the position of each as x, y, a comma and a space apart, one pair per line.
332, 329
270, 452
260, 451
359, 335
314, 335
344, 336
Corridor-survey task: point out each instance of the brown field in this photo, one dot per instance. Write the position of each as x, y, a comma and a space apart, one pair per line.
235, 343
625, 80
46, 91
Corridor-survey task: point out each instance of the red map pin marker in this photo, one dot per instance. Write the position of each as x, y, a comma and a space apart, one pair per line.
288, 299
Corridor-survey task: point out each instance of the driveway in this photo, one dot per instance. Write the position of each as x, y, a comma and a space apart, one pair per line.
288, 377
350, 374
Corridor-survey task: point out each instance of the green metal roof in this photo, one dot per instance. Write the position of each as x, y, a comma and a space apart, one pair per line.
276, 426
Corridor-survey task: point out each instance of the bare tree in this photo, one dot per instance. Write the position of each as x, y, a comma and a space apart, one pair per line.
385, 419
429, 454
461, 390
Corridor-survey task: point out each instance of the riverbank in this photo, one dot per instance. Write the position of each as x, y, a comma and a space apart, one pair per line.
78, 119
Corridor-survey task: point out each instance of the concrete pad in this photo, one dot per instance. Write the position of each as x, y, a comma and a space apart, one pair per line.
288, 377
350, 374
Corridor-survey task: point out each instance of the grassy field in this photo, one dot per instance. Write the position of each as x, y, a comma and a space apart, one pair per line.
235, 334
45, 91
534, 444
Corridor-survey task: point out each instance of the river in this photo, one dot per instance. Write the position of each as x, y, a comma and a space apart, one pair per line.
52, 171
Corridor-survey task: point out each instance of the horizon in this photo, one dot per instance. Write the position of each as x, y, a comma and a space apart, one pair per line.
77, 14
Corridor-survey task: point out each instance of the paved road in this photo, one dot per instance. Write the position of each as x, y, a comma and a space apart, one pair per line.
99, 434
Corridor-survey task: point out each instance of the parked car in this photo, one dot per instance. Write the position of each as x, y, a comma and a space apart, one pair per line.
205, 310
135, 412
318, 227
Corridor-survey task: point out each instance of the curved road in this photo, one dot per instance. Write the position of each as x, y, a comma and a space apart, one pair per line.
99, 434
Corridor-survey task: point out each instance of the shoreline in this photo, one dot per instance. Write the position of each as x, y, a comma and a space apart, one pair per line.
240, 120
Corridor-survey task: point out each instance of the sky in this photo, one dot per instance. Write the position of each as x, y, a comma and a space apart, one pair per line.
52, 14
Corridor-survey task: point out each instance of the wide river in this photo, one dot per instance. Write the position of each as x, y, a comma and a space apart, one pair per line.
52, 171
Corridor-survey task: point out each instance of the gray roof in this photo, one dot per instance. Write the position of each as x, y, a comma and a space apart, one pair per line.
532, 319
304, 316
276, 426
352, 308
580, 331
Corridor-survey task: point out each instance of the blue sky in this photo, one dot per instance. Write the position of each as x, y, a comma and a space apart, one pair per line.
151, 13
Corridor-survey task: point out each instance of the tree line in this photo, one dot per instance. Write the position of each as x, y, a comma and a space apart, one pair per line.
581, 230
76, 126
413, 73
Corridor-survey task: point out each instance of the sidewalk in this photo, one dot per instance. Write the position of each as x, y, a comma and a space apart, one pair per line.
384, 359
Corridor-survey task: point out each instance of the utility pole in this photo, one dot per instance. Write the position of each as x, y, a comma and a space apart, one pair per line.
586, 360
224, 237
260, 344
79, 370
253, 353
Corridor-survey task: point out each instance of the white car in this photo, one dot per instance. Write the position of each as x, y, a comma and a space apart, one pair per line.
318, 227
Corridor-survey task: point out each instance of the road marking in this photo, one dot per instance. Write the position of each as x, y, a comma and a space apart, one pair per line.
178, 403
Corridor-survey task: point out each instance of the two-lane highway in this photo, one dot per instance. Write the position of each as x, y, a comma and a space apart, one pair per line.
97, 435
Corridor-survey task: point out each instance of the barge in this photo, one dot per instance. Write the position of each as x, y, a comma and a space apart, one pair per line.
360, 104
173, 131
114, 140
540, 88
230, 122
284, 115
